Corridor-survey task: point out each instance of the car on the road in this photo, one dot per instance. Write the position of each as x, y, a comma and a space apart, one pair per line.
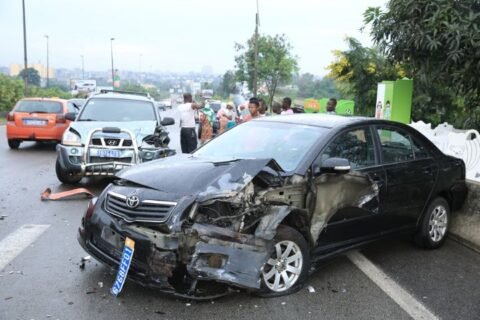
37, 119
264, 203
164, 104
113, 130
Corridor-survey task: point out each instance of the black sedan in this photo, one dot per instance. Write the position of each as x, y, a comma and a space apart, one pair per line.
260, 205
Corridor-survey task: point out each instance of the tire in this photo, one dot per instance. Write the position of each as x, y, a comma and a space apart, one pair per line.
64, 176
433, 229
14, 144
275, 270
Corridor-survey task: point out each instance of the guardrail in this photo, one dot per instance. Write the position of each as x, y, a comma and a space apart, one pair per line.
463, 144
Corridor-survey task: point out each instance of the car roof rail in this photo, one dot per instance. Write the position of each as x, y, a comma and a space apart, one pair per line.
143, 94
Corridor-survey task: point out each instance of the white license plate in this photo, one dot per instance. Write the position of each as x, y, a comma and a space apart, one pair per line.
34, 122
106, 153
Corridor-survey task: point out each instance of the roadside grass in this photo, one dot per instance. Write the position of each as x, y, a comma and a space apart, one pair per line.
3, 120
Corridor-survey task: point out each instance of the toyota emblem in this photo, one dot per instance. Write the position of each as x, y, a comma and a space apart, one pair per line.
132, 201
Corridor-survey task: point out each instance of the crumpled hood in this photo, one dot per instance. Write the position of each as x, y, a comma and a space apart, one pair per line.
203, 178
140, 129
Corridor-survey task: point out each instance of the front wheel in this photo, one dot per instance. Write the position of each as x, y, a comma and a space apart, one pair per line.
64, 176
433, 229
287, 268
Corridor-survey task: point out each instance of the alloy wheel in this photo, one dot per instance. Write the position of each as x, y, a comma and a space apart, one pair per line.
437, 226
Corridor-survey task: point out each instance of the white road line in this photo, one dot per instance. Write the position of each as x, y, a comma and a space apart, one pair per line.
17, 241
404, 299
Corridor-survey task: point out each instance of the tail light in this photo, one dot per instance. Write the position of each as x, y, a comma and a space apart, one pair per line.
60, 118
11, 116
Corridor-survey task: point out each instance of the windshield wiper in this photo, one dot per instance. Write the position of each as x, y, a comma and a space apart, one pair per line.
86, 119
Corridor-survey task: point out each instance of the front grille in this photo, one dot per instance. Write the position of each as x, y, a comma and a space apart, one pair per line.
111, 142
97, 142
103, 159
127, 143
148, 210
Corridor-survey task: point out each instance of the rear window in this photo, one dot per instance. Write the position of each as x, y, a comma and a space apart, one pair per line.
33, 106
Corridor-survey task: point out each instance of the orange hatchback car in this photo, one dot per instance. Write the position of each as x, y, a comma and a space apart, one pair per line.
37, 119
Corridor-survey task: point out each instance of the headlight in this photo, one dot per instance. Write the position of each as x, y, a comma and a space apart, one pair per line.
71, 139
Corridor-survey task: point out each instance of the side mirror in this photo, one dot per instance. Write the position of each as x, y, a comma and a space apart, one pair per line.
333, 165
70, 116
167, 121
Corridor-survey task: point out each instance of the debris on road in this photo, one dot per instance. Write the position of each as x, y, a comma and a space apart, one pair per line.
100, 284
3, 216
8, 298
48, 195
311, 289
160, 312
83, 260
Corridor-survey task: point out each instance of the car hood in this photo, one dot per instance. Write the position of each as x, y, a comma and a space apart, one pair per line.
202, 178
139, 129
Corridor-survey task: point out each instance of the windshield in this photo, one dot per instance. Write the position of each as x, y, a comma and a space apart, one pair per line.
285, 142
33, 106
117, 110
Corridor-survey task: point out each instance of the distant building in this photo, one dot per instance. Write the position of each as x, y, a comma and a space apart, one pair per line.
16, 68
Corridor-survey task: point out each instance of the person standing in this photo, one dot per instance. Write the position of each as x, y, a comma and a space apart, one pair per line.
188, 138
253, 106
262, 110
287, 106
331, 105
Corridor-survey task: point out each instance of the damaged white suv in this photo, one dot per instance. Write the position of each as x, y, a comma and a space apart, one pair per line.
112, 131
259, 206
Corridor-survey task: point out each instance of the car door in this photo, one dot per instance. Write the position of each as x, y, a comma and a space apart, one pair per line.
350, 205
410, 174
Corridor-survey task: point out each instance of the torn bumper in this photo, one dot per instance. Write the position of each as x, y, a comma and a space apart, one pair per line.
173, 262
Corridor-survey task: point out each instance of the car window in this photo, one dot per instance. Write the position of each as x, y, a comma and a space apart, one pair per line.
104, 109
34, 106
356, 146
396, 146
71, 107
419, 149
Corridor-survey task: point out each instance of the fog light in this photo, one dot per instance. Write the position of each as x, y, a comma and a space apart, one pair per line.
74, 151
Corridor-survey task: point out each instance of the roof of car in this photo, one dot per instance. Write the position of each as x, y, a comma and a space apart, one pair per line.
315, 119
113, 95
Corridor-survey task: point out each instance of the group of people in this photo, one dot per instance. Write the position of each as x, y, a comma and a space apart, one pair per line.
227, 117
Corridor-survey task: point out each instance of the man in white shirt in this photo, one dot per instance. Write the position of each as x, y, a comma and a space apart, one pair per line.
188, 137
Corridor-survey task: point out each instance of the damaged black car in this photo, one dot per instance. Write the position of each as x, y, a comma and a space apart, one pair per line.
259, 207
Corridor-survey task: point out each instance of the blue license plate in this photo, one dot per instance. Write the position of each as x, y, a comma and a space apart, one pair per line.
35, 122
106, 153
127, 256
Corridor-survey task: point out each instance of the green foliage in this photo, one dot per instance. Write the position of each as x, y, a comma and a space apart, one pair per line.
227, 85
11, 90
438, 42
309, 87
32, 76
357, 72
50, 92
135, 87
276, 64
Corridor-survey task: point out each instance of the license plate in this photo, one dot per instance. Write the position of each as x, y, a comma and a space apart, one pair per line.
127, 256
106, 153
34, 122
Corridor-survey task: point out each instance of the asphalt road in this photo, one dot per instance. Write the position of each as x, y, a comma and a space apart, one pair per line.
44, 280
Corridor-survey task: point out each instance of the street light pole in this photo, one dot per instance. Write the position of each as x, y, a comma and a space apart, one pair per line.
255, 73
25, 49
83, 67
113, 70
48, 67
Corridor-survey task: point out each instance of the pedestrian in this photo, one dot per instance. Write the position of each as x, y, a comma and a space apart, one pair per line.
207, 129
286, 106
188, 138
262, 110
253, 106
276, 108
226, 116
243, 110
331, 105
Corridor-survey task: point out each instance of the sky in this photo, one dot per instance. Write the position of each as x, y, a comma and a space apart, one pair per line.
175, 35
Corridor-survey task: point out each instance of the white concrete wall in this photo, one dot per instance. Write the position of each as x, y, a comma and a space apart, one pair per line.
464, 144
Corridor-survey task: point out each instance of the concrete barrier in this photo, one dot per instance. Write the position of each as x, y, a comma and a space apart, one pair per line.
465, 225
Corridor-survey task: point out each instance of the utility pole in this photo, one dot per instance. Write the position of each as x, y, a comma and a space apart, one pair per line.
255, 73
25, 49
48, 67
83, 67
113, 70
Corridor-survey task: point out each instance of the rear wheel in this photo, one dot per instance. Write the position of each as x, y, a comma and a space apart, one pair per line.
433, 229
14, 144
64, 176
287, 268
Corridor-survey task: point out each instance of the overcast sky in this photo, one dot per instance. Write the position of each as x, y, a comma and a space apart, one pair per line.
174, 35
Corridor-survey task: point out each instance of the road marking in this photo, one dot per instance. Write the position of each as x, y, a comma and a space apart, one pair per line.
13, 244
404, 299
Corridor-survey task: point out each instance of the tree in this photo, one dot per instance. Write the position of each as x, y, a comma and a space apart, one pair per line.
32, 76
357, 72
276, 65
309, 87
439, 43
11, 90
227, 84
135, 87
